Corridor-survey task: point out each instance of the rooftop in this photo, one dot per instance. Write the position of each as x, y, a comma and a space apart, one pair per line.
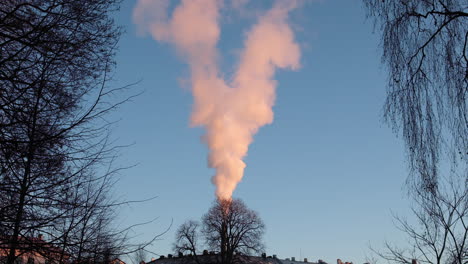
212, 259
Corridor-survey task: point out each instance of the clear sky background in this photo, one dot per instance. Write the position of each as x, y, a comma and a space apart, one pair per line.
324, 177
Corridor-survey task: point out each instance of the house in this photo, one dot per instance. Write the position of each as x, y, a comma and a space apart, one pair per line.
36, 250
117, 261
33, 250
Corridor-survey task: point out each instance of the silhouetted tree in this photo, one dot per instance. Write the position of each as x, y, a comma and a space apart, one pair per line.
139, 256
88, 234
440, 233
228, 228
187, 238
56, 160
425, 50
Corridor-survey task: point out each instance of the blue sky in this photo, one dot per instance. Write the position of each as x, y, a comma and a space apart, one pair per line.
324, 177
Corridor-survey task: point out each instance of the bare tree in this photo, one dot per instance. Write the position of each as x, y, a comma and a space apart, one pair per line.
425, 50
87, 235
230, 227
56, 155
187, 239
440, 233
139, 256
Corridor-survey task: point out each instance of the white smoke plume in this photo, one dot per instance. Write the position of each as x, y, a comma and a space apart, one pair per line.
231, 113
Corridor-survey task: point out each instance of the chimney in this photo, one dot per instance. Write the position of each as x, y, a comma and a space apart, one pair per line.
305, 260
293, 259
274, 256
263, 255
40, 236
181, 255
169, 256
414, 261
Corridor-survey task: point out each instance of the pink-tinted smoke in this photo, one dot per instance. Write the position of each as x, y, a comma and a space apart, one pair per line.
232, 112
